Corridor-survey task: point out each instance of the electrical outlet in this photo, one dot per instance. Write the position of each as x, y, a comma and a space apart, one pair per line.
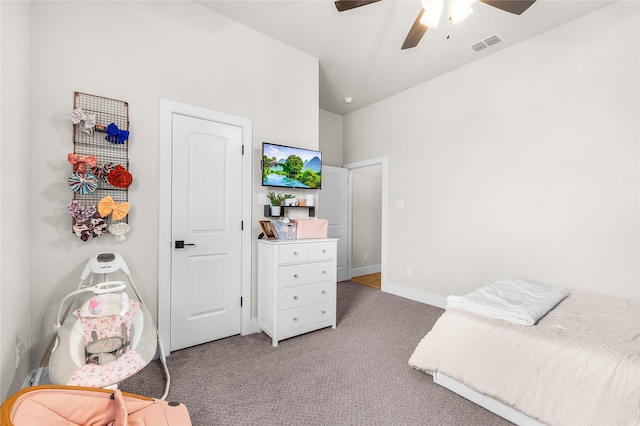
18, 354
409, 272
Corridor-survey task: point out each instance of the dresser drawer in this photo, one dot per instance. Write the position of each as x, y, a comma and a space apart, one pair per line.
306, 273
292, 297
322, 251
292, 253
305, 315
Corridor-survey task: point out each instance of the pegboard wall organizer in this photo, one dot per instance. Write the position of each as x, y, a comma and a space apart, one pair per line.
110, 149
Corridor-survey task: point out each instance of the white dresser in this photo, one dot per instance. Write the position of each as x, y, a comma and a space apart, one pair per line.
296, 286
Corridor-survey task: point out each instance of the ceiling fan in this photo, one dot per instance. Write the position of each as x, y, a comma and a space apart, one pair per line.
432, 9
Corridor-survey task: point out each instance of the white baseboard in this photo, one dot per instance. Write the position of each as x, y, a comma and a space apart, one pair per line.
365, 270
251, 328
432, 299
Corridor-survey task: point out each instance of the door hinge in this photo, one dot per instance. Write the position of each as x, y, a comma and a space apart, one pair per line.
241, 302
242, 149
242, 225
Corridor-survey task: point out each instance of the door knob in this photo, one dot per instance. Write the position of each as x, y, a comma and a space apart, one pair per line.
180, 244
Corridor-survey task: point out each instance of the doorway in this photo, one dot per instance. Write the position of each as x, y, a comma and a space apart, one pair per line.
368, 225
366, 232
204, 271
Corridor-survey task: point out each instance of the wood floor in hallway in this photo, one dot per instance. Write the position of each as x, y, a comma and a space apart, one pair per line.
370, 280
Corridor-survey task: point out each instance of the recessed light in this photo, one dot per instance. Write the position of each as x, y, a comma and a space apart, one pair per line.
348, 100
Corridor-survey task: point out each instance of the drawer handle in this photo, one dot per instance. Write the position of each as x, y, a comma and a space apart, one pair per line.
324, 250
295, 297
324, 291
295, 275
295, 318
295, 253
323, 312
324, 272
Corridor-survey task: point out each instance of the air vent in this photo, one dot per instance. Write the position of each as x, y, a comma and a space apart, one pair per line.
481, 45
492, 40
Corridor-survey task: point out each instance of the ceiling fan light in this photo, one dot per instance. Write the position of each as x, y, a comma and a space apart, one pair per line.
432, 12
459, 10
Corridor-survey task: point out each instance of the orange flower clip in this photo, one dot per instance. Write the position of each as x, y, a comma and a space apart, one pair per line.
120, 177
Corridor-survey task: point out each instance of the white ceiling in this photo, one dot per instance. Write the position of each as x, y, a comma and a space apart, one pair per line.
359, 50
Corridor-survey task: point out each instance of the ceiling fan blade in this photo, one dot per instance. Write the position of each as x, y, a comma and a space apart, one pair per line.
343, 5
513, 6
415, 33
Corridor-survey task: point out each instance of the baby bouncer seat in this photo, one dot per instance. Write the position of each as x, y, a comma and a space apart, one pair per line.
109, 337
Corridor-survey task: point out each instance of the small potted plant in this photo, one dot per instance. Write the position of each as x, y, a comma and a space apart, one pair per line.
290, 200
276, 202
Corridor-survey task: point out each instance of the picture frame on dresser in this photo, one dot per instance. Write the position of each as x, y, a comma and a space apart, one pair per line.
268, 230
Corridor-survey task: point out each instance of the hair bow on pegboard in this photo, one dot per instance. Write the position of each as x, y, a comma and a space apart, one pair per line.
81, 213
86, 122
120, 177
79, 162
83, 183
119, 230
101, 171
115, 135
95, 228
107, 206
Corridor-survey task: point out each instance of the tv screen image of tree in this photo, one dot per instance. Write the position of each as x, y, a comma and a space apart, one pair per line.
289, 167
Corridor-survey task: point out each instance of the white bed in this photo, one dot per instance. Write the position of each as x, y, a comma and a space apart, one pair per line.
578, 365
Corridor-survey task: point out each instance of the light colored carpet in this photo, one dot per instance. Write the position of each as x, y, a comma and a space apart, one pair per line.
356, 374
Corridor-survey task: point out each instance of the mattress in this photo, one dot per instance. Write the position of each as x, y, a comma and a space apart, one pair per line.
579, 365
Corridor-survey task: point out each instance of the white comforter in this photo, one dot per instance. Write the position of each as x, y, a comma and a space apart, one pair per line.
510, 299
580, 365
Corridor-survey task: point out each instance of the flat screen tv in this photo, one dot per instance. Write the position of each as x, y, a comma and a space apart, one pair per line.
290, 167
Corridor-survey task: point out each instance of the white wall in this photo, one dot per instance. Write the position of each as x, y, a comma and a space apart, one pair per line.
331, 130
16, 188
137, 52
524, 163
366, 219
366, 226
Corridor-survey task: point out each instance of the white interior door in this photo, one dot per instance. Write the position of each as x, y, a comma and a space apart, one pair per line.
333, 205
206, 268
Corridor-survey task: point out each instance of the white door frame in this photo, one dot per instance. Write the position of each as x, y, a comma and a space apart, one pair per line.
382, 161
167, 109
